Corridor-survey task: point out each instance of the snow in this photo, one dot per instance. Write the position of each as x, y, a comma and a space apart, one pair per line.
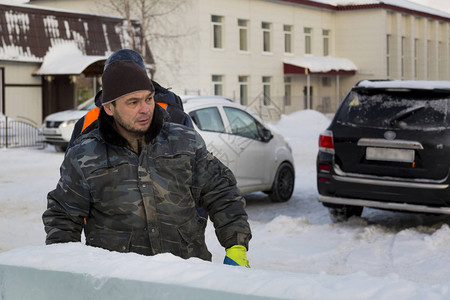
409, 84
435, 7
66, 58
322, 63
296, 251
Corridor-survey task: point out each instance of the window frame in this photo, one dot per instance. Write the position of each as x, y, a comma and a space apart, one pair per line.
217, 84
287, 31
308, 31
243, 31
243, 81
266, 28
217, 28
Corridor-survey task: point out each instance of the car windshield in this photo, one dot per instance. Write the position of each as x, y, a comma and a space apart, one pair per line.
412, 110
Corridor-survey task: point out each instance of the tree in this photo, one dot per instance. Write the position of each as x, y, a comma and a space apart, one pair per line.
152, 14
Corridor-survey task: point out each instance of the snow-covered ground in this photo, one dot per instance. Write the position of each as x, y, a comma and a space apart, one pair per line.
382, 255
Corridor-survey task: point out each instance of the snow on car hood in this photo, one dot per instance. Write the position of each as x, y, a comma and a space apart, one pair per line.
66, 115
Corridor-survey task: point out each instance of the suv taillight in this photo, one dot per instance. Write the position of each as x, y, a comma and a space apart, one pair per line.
326, 142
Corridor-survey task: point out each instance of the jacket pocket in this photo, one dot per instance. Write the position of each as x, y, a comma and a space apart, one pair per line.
193, 239
109, 239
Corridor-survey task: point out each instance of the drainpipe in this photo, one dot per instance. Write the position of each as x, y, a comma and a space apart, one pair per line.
308, 94
338, 100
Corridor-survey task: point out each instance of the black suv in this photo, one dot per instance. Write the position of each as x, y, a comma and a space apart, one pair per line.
387, 147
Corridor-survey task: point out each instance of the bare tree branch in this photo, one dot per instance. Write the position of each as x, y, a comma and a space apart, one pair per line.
152, 15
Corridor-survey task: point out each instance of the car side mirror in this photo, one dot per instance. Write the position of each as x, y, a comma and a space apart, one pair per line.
266, 135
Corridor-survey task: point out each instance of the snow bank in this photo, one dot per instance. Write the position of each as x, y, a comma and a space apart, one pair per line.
301, 130
84, 272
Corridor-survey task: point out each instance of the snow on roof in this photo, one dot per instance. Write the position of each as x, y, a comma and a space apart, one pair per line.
29, 32
66, 59
407, 84
398, 3
27, 5
322, 64
17, 53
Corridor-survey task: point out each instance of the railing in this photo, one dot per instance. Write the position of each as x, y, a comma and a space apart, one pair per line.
267, 108
15, 134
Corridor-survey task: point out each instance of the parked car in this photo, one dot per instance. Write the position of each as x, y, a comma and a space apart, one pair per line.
260, 159
387, 147
58, 127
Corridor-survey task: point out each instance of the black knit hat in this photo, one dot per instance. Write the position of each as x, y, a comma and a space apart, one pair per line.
123, 77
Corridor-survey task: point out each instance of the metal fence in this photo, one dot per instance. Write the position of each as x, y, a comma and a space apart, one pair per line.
15, 134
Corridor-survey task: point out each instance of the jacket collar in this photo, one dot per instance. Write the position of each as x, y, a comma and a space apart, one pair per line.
110, 135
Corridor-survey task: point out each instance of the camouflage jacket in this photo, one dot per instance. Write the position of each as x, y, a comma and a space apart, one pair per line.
145, 203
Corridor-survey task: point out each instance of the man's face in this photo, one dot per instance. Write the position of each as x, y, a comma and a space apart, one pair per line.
132, 113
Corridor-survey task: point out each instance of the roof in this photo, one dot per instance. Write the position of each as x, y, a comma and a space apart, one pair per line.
403, 6
67, 59
319, 65
30, 33
404, 84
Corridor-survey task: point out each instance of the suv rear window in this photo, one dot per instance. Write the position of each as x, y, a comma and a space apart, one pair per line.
412, 109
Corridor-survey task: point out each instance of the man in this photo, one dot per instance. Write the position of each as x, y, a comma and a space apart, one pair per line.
165, 98
133, 183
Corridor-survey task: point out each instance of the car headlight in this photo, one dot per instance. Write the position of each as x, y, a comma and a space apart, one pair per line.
69, 123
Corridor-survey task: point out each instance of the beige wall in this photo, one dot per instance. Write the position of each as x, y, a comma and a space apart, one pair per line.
200, 60
23, 94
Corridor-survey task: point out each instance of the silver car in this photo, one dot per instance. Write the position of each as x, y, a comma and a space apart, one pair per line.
58, 127
260, 159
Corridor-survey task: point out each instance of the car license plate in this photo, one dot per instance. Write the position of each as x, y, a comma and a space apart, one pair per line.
49, 131
390, 154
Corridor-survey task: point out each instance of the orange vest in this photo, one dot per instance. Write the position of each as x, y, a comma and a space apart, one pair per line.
90, 117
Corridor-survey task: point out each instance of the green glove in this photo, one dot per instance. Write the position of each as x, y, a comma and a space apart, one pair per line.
236, 256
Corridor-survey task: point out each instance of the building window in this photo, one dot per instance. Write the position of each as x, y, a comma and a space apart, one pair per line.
326, 81
243, 89
326, 42
217, 81
217, 29
402, 53
429, 58
416, 53
388, 50
266, 80
266, 28
243, 34
308, 40
287, 91
441, 62
287, 38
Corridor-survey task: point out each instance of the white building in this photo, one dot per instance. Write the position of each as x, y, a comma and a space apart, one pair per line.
279, 56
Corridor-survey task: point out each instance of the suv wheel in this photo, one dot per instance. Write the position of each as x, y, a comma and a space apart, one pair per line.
344, 212
283, 184
60, 148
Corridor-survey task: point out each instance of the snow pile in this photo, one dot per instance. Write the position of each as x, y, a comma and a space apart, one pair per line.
101, 265
301, 130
